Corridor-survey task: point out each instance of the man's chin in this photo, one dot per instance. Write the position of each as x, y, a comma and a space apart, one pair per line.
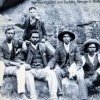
9, 39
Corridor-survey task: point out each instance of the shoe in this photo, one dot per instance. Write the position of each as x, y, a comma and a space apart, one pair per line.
60, 98
93, 90
84, 99
23, 97
33, 99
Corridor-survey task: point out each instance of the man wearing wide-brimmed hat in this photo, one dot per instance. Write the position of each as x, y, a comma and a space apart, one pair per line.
91, 63
68, 61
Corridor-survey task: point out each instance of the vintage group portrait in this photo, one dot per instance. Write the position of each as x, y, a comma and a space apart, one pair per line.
49, 50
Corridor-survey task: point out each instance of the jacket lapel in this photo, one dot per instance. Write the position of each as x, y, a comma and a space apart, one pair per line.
30, 54
31, 48
70, 48
63, 54
63, 50
6, 46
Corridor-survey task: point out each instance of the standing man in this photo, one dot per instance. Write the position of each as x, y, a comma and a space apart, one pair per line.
8, 64
91, 63
31, 23
38, 57
67, 62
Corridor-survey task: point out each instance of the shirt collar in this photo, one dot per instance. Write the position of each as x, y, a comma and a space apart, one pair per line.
34, 46
66, 45
93, 55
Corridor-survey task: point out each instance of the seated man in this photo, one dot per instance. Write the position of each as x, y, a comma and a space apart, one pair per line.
68, 62
37, 57
91, 63
8, 64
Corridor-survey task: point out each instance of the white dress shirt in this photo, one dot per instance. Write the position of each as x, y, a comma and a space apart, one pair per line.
67, 47
10, 46
92, 58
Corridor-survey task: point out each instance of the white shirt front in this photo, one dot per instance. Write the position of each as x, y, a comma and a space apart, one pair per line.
92, 58
10, 46
67, 47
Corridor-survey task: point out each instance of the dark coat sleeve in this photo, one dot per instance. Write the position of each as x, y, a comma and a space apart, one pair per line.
43, 29
78, 60
7, 62
1, 53
21, 22
55, 59
29, 57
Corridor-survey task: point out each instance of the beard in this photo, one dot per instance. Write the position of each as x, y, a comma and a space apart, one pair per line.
66, 42
9, 39
35, 42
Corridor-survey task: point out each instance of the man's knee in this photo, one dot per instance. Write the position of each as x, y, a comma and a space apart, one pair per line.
28, 74
2, 65
80, 75
51, 73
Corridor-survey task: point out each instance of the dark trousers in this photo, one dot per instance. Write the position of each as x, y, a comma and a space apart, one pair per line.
90, 83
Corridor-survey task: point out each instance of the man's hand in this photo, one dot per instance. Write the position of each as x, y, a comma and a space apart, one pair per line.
43, 40
18, 65
72, 71
27, 42
27, 66
47, 67
94, 77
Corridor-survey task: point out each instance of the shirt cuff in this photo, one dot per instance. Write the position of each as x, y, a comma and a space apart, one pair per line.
98, 71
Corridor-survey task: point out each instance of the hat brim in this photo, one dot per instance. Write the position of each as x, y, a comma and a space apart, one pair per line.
91, 41
60, 36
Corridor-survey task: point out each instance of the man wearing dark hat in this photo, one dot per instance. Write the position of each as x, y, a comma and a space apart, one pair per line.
91, 63
68, 62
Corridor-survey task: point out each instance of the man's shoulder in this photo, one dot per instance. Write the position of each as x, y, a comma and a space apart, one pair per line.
59, 47
39, 21
1, 45
74, 44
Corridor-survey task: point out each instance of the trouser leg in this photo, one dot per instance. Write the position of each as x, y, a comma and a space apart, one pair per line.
60, 73
2, 70
31, 84
59, 79
50, 77
20, 74
83, 93
52, 83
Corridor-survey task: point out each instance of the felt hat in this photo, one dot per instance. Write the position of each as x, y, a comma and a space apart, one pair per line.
91, 41
60, 36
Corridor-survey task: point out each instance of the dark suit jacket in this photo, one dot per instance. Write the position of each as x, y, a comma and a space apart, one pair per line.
44, 53
24, 23
60, 56
5, 53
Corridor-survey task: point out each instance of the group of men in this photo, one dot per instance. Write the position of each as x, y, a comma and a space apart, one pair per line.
33, 59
